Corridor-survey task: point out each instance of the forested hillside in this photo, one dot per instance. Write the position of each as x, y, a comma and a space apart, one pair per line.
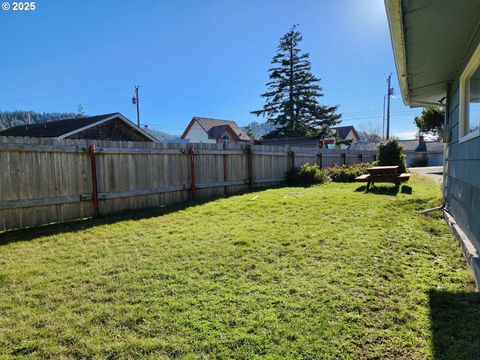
160, 135
259, 129
10, 119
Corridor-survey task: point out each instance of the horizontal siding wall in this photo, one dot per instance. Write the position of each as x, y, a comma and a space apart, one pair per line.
45, 180
462, 168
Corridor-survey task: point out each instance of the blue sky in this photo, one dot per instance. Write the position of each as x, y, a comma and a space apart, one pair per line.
193, 58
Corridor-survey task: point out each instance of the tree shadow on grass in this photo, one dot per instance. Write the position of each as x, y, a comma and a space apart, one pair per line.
455, 324
31, 233
385, 189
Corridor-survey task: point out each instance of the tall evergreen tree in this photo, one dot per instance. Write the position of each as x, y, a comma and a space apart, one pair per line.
292, 99
430, 121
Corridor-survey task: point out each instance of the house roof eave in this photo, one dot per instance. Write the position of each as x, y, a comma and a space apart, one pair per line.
395, 24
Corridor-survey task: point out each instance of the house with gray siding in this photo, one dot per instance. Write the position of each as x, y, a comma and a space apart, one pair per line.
436, 45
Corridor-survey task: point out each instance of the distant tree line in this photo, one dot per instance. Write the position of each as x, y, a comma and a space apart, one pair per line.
160, 135
256, 130
10, 119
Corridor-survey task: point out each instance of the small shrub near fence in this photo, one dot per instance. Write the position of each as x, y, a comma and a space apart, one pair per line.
312, 174
307, 175
345, 173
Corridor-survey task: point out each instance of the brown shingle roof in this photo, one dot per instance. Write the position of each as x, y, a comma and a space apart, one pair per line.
54, 128
207, 124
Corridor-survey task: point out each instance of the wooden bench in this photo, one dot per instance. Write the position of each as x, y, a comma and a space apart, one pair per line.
383, 174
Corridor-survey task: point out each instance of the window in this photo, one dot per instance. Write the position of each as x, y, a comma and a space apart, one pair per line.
470, 99
474, 102
226, 139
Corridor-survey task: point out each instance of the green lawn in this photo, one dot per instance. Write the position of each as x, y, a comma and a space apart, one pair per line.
320, 272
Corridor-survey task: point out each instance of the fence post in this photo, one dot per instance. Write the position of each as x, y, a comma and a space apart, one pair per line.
250, 165
291, 156
320, 160
225, 173
344, 158
93, 164
360, 158
191, 153
375, 157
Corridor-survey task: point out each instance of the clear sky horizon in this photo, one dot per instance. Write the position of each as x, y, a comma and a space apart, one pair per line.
194, 58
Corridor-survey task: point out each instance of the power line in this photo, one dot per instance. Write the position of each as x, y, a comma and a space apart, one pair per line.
65, 94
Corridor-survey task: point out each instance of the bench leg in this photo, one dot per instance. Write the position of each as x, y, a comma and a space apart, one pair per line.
368, 185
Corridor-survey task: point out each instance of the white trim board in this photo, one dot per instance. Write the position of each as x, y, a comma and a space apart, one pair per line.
464, 95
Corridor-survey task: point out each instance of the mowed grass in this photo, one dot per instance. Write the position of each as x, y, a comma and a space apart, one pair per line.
320, 272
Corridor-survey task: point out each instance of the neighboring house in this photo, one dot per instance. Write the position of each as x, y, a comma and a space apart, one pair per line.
418, 152
100, 127
345, 135
214, 131
436, 44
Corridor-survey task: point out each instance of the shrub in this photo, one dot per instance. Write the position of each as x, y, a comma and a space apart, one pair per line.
346, 173
307, 175
390, 153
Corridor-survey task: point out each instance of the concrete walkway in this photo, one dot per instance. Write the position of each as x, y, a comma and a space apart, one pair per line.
433, 172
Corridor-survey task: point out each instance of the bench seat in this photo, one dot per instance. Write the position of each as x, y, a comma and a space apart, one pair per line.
363, 178
403, 177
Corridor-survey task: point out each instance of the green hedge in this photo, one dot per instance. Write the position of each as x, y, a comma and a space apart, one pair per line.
344, 173
312, 174
307, 175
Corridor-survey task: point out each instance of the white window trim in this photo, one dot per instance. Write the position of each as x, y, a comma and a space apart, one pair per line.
464, 105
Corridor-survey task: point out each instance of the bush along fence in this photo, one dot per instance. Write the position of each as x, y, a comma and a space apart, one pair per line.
46, 180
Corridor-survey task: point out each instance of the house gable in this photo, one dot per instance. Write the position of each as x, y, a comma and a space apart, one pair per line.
228, 131
114, 130
196, 133
209, 130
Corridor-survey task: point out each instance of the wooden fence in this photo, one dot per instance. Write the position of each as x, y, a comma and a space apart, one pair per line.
46, 180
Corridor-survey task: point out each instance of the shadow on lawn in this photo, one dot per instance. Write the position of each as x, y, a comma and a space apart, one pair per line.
455, 324
27, 234
385, 190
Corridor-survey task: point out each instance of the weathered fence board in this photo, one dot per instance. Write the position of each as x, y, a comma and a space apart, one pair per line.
47, 180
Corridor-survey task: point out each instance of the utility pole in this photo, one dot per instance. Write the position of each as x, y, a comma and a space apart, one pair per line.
136, 101
383, 118
389, 93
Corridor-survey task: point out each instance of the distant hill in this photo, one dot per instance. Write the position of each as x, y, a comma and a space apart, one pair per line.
259, 129
10, 119
160, 135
